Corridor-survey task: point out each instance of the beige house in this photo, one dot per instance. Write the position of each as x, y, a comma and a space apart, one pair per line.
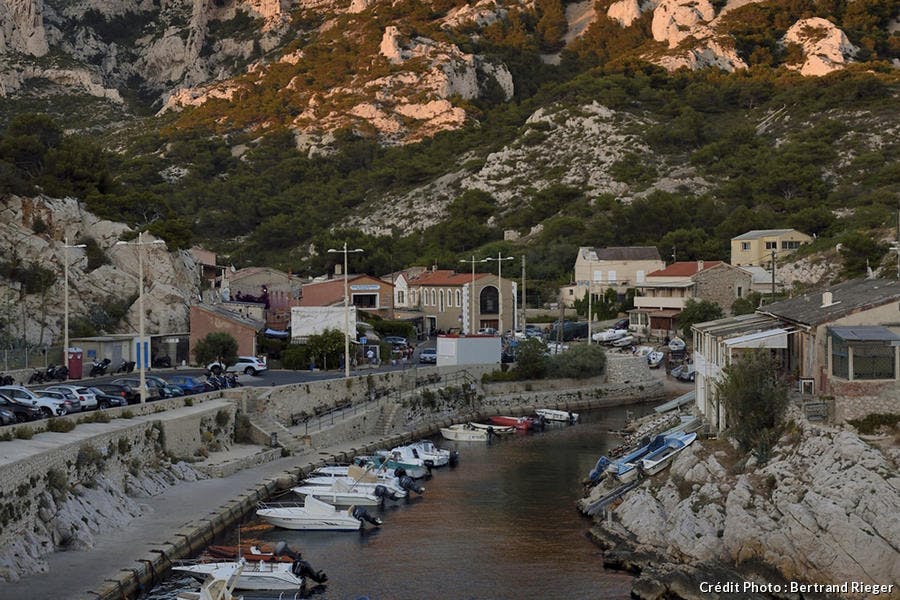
458, 302
755, 248
664, 293
618, 268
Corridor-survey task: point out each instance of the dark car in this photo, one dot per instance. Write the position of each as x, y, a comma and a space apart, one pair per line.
22, 411
106, 400
190, 385
7, 417
621, 324
121, 390
571, 330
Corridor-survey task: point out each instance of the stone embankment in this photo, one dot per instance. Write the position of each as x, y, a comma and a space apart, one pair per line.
825, 509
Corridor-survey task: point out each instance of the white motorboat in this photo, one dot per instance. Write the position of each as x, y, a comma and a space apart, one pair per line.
258, 575
624, 341
552, 414
217, 584
610, 335
464, 432
655, 359
431, 454
314, 515
404, 458
340, 492
676, 344
655, 462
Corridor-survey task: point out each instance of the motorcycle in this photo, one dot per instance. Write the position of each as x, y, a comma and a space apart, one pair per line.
127, 366
36, 377
60, 372
162, 362
6, 379
98, 369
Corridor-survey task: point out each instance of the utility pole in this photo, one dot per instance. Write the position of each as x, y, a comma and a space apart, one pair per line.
524, 307
773, 273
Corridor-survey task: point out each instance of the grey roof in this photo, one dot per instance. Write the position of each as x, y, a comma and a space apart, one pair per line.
738, 325
847, 298
233, 316
760, 275
760, 233
865, 333
627, 253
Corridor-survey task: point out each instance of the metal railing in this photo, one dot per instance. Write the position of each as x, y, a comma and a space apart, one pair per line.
30, 357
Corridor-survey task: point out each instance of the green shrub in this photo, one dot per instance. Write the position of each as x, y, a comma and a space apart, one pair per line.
24, 432
295, 357
580, 361
60, 425
222, 418
6, 436
96, 417
242, 429
88, 456
58, 482
124, 446
871, 424
126, 414
188, 401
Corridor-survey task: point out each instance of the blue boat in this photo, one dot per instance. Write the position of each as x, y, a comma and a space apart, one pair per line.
624, 468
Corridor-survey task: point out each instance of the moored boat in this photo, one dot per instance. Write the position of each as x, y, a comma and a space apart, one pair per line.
552, 414
431, 454
314, 515
464, 432
249, 553
610, 335
494, 429
217, 584
658, 460
520, 423
341, 493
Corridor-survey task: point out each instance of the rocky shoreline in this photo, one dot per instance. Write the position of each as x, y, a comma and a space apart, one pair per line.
824, 510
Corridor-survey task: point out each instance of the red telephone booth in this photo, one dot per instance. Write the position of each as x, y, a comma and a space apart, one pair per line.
75, 360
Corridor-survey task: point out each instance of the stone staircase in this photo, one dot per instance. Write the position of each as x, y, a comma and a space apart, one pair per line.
266, 426
386, 417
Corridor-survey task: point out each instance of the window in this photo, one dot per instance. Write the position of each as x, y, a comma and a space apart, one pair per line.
441, 307
490, 301
598, 275
771, 245
612, 276
400, 297
458, 297
365, 300
745, 246
873, 361
740, 291
840, 358
790, 245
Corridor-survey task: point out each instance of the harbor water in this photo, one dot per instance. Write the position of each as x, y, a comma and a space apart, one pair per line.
502, 524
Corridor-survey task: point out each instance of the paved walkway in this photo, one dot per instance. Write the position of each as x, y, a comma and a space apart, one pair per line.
73, 574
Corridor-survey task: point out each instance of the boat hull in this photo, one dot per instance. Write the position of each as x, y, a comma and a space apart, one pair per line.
360, 498
299, 523
252, 578
520, 423
464, 435
552, 414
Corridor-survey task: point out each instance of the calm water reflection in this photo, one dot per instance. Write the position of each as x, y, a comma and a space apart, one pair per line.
503, 524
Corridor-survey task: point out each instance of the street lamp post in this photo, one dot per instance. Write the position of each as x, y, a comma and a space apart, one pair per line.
142, 352
590, 296
346, 309
66, 247
499, 259
471, 328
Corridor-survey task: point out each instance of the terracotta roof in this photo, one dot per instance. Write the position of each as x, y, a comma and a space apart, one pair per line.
687, 268
331, 291
445, 277
231, 316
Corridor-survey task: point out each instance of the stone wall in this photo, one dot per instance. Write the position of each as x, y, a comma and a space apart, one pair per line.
856, 399
622, 367
720, 285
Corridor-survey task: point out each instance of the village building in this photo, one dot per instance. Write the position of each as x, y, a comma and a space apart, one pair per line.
757, 247
616, 268
365, 292
206, 319
842, 344
663, 294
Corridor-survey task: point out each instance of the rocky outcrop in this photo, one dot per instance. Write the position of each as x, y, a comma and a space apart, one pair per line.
676, 20
825, 47
170, 278
22, 27
825, 509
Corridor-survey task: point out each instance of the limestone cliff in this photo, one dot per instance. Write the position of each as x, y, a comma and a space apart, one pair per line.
825, 509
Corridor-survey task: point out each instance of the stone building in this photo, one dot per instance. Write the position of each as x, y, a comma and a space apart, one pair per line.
460, 302
206, 319
619, 268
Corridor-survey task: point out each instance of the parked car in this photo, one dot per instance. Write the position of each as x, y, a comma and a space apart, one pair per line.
188, 384
49, 407
105, 400
7, 417
571, 330
428, 356
69, 399
126, 392
396, 340
621, 324
166, 390
249, 365
23, 411
487, 331
151, 391
84, 395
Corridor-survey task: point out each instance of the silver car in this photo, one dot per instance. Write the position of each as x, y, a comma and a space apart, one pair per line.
69, 400
85, 396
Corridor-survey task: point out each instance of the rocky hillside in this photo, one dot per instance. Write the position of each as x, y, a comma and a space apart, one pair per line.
102, 277
823, 510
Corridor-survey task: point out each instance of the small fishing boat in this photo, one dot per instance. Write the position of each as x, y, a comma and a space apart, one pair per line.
402, 457
249, 553
260, 575
464, 432
217, 584
520, 423
655, 359
625, 468
314, 515
552, 414
658, 460
676, 344
431, 454
342, 492
495, 429
610, 335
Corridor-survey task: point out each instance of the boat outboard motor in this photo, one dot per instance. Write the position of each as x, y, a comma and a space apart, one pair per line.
408, 483
301, 568
282, 549
363, 515
454, 458
399, 472
382, 491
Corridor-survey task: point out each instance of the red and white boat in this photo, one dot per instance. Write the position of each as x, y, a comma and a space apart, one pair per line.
248, 553
520, 423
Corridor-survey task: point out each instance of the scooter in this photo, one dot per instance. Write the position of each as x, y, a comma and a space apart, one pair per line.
60, 372
37, 377
127, 366
98, 369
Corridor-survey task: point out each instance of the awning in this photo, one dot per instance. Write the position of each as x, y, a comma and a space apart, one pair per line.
865, 333
773, 338
275, 333
666, 313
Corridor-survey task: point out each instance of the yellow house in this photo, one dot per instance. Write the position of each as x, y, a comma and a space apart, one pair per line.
755, 248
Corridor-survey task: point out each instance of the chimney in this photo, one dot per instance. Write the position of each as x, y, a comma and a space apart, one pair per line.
699, 265
826, 299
